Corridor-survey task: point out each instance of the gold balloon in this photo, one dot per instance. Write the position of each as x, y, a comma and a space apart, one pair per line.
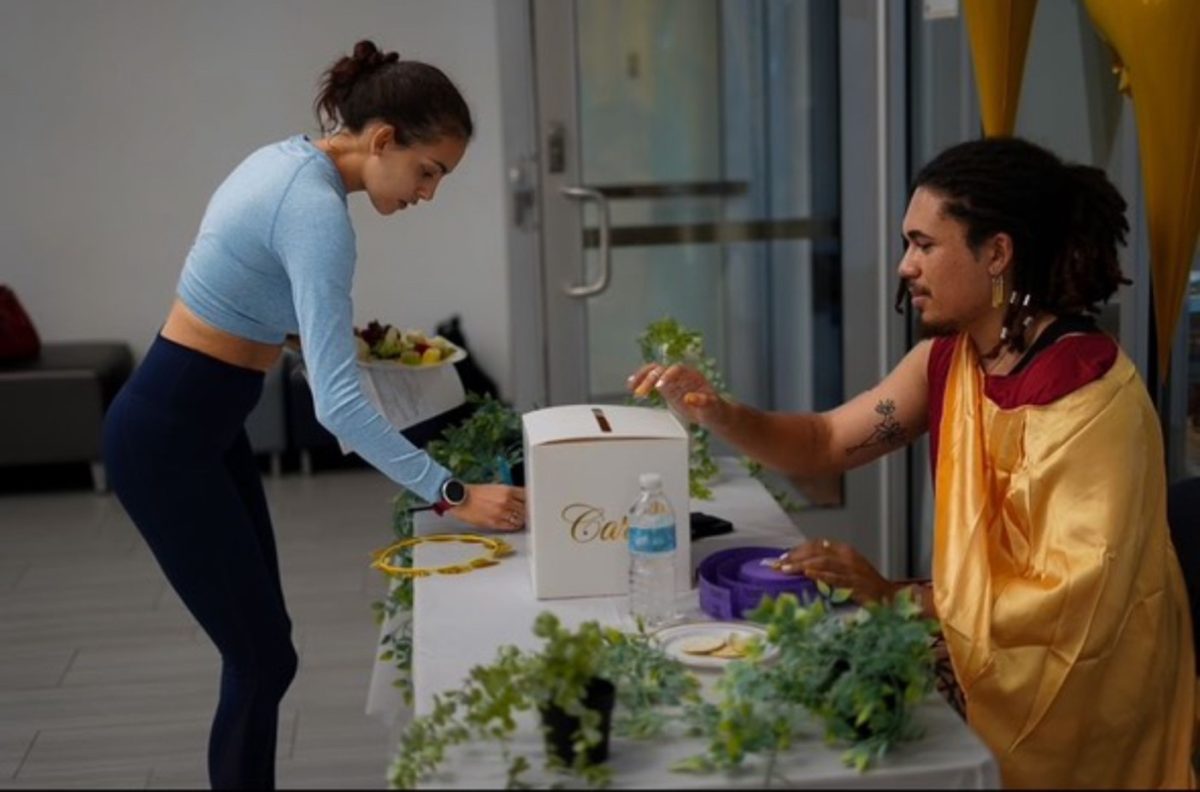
1157, 44
999, 32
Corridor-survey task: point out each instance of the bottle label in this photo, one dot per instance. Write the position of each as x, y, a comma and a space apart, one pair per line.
651, 540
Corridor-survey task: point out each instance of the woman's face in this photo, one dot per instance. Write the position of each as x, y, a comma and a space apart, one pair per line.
396, 177
949, 284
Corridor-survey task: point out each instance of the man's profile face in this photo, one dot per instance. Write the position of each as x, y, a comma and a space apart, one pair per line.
949, 287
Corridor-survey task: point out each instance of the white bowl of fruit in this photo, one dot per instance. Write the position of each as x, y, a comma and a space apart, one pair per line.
385, 346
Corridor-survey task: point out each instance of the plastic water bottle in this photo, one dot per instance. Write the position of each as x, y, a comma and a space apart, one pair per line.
652, 554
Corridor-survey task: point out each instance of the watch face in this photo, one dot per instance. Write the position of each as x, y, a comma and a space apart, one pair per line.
454, 491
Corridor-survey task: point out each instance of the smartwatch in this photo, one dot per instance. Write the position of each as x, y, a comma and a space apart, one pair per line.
454, 493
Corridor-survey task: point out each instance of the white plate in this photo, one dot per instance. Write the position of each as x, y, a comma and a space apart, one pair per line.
672, 640
390, 365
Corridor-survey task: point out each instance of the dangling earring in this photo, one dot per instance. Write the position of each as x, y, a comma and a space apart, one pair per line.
997, 291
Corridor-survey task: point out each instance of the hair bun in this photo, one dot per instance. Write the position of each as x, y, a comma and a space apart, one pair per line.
368, 57
366, 85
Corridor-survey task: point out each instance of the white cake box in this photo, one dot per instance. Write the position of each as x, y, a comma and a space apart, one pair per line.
582, 464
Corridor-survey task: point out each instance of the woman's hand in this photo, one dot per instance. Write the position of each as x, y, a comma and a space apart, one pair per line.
839, 566
494, 506
686, 391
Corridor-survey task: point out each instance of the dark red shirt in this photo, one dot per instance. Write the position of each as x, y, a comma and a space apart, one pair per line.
1061, 368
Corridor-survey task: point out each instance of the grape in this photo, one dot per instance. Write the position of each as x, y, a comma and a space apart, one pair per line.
383, 341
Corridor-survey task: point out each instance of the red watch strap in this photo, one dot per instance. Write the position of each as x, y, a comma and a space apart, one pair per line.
442, 506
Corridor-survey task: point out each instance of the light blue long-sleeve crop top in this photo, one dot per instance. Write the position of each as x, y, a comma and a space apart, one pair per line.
275, 254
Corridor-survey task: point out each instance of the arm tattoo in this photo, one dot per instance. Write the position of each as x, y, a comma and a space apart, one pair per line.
887, 433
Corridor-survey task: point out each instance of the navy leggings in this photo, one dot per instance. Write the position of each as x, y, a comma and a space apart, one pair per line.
177, 456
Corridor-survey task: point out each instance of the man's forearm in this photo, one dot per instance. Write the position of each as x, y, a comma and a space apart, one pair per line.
795, 443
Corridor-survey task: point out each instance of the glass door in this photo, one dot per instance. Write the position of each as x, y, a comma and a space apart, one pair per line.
692, 165
702, 147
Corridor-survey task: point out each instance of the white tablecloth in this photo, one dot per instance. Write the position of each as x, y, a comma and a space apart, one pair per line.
459, 621
756, 517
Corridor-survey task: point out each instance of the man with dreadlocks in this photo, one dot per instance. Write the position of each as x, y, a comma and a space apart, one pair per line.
1061, 600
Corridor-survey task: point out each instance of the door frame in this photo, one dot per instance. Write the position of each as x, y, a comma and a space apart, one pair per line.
527, 323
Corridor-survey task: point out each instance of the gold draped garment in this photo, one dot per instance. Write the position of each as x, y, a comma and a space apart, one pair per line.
1057, 587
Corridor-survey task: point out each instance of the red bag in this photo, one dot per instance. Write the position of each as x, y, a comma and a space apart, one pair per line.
18, 339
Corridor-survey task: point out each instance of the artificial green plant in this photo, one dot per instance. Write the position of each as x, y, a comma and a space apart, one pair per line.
484, 447
493, 696
860, 674
667, 342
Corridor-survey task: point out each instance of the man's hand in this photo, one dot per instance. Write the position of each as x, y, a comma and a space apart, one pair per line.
687, 391
493, 506
839, 566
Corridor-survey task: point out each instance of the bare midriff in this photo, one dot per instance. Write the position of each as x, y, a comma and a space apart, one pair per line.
186, 329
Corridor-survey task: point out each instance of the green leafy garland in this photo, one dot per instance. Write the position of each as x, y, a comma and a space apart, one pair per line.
667, 342
861, 675
481, 448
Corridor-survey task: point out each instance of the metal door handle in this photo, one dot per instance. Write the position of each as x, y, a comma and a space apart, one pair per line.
601, 283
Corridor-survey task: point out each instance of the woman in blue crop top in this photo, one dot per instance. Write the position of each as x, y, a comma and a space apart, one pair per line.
275, 256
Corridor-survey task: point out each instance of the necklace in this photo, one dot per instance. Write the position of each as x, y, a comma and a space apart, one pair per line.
496, 549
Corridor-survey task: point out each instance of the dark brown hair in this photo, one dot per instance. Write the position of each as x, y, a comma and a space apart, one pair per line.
1066, 222
417, 99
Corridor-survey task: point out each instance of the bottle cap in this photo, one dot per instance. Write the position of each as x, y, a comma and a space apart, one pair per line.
650, 480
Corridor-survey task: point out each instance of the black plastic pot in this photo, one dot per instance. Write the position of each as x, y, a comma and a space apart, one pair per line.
560, 728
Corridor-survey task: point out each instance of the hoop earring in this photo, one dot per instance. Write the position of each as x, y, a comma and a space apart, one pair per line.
997, 291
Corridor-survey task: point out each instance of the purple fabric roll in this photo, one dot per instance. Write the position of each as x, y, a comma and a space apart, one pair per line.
734, 581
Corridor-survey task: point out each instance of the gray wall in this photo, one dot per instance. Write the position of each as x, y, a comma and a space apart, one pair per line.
121, 117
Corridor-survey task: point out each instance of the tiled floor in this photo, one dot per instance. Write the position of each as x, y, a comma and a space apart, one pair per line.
105, 680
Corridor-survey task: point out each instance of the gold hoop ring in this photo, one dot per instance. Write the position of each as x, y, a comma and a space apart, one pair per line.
496, 549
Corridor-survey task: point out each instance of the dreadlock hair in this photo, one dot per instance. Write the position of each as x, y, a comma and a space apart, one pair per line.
1065, 220
417, 99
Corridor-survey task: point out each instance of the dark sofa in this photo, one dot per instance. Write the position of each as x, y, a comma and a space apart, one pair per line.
52, 407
